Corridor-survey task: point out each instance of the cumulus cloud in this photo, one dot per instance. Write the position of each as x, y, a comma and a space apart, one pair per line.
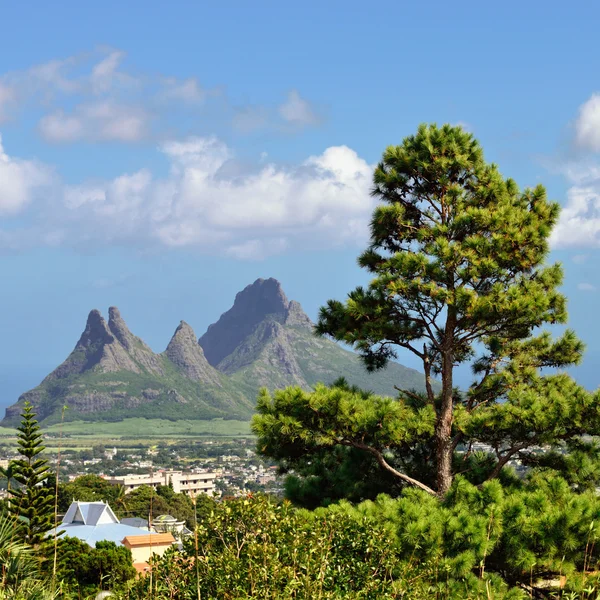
579, 222
587, 125
298, 111
208, 203
98, 121
19, 182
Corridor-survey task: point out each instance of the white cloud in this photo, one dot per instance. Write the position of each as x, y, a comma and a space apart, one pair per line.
208, 203
69, 90
98, 121
587, 125
104, 72
298, 111
247, 119
579, 222
586, 287
19, 180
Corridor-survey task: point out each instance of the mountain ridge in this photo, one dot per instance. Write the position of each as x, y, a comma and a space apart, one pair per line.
263, 340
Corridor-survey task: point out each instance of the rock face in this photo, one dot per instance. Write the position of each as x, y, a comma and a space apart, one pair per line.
136, 347
97, 349
113, 374
263, 340
187, 355
255, 303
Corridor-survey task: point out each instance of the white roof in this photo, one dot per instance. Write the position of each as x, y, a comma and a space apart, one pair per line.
89, 513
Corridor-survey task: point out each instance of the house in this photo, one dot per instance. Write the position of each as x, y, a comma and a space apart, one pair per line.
185, 483
144, 546
93, 522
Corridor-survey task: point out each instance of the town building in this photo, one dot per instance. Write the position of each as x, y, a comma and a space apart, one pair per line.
144, 546
94, 522
169, 524
182, 483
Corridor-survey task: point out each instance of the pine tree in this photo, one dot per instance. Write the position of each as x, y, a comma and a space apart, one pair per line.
33, 501
457, 256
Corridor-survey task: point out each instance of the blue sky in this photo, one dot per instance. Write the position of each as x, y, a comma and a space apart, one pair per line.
160, 158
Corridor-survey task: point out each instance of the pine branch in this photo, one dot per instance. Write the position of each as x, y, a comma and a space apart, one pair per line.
383, 463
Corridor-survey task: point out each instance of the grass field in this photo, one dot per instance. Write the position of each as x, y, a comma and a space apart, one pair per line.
140, 427
144, 428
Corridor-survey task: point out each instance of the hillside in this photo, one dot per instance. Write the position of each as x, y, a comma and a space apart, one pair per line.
262, 340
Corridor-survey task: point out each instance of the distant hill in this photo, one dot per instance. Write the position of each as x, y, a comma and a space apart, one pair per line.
263, 340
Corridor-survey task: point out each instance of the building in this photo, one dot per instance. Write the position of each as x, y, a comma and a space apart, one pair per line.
94, 522
169, 524
144, 546
186, 483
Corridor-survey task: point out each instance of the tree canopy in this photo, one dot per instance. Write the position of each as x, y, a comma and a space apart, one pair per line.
459, 276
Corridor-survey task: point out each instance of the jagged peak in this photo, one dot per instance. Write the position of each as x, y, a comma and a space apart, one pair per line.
119, 328
261, 300
95, 330
183, 333
296, 316
264, 296
187, 355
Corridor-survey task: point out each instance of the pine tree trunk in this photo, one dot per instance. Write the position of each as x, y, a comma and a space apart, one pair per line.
443, 428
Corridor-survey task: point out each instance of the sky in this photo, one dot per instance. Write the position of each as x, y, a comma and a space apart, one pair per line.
160, 157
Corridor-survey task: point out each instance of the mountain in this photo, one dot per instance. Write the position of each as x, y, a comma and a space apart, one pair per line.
263, 340
112, 374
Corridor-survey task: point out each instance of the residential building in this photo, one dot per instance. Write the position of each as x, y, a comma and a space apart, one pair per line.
93, 522
144, 546
186, 483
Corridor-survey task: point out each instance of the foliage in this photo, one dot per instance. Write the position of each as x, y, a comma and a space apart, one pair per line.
253, 548
32, 502
87, 488
457, 258
84, 570
20, 579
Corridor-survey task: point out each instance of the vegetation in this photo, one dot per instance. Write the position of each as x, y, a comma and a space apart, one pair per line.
83, 570
457, 254
32, 502
484, 493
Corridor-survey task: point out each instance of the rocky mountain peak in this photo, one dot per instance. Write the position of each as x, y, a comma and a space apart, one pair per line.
119, 328
296, 317
95, 331
187, 355
261, 300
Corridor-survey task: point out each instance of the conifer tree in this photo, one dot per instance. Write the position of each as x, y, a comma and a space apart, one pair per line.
457, 259
32, 502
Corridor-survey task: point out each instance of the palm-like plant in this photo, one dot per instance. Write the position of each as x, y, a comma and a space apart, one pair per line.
19, 573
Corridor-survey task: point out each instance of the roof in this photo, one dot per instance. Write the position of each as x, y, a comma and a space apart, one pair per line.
135, 522
157, 539
91, 534
89, 513
93, 522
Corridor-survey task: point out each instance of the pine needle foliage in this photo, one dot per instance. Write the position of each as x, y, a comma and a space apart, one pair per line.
459, 277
